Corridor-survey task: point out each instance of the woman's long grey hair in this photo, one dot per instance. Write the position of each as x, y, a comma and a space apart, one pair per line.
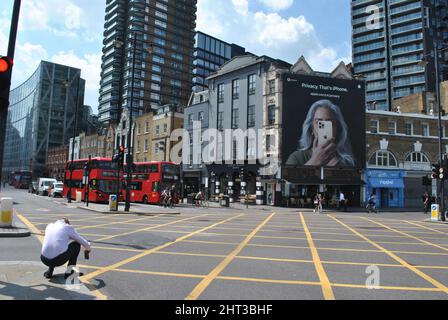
343, 145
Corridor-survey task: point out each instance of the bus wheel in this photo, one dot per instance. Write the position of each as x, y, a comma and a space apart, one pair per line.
145, 200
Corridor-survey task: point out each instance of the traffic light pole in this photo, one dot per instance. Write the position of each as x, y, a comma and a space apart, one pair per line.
69, 194
4, 101
129, 161
442, 181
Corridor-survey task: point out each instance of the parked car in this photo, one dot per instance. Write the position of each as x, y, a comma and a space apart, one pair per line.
44, 184
55, 189
33, 187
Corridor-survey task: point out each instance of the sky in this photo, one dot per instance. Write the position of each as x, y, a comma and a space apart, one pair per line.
70, 32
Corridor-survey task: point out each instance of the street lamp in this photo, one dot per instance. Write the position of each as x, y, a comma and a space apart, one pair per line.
67, 86
424, 63
130, 161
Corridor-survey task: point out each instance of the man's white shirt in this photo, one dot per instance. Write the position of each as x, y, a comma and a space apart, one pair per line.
58, 236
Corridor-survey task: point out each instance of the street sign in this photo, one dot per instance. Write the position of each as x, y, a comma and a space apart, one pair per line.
435, 212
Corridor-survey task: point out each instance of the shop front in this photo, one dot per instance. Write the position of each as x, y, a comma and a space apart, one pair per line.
387, 185
302, 184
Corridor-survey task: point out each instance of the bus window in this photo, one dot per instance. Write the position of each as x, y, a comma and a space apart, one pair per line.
137, 186
155, 186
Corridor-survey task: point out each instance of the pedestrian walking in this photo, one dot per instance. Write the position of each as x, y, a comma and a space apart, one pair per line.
426, 203
342, 201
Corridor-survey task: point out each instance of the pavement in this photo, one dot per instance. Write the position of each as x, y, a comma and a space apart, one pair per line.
260, 253
23, 280
18, 230
135, 208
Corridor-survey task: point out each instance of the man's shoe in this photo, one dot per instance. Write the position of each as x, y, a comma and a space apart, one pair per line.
67, 275
48, 274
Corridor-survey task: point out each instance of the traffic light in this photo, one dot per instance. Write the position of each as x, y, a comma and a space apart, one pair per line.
119, 157
5, 78
435, 171
443, 173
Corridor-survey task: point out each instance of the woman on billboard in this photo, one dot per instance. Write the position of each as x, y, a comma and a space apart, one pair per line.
324, 141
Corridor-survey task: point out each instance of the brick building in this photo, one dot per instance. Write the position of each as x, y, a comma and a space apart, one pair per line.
143, 138
166, 119
57, 158
400, 150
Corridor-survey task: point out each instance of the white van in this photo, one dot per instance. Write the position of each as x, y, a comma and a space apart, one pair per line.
43, 185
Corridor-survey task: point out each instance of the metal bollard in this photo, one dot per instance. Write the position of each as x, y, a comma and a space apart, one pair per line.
6, 213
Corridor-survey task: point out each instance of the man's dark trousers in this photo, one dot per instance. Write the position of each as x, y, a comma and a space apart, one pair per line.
70, 256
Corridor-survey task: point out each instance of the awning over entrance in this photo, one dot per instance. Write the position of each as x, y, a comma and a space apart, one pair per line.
386, 183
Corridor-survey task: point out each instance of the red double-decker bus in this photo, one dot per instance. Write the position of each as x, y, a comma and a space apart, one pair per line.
21, 179
102, 177
149, 179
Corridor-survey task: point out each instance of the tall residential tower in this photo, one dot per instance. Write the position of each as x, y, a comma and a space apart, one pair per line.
392, 40
164, 31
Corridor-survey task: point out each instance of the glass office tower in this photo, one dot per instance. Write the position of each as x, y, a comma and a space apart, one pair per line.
41, 115
164, 53
388, 51
209, 54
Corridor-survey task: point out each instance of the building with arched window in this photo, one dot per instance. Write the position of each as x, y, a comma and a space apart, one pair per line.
400, 150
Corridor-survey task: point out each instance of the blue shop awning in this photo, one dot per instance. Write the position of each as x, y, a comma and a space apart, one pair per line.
386, 183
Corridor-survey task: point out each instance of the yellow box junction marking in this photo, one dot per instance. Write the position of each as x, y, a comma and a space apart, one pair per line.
153, 250
150, 228
199, 289
408, 235
325, 283
434, 282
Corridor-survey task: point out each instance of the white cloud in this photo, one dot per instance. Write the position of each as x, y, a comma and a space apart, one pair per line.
273, 30
278, 5
286, 36
73, 17
241, 6
90, 65
62, 18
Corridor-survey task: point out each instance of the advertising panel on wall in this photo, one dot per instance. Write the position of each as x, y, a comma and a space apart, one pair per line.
323, 122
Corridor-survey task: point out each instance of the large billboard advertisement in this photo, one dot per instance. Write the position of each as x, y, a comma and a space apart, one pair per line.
323, 122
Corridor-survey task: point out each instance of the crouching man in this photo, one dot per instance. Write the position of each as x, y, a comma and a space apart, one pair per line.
62, 244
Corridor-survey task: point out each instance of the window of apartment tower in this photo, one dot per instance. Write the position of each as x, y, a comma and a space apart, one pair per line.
236, 89
271, 86
157, 129
271, 114
165, 128
201, 116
